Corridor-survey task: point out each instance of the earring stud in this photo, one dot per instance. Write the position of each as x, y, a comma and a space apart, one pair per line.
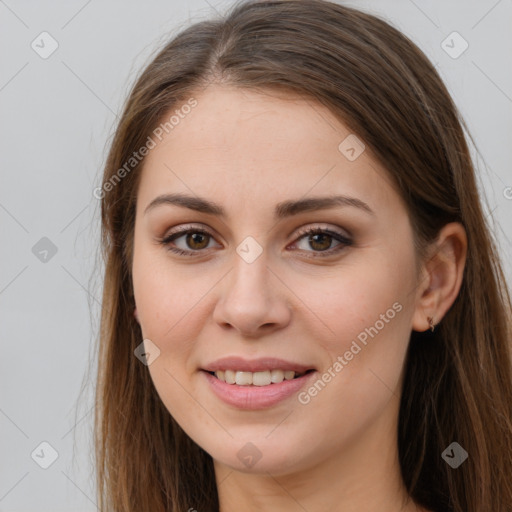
431, 323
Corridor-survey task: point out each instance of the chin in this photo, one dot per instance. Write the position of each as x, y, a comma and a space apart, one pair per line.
262, 456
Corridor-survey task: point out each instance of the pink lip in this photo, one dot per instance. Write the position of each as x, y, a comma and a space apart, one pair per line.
255, 397
256, 365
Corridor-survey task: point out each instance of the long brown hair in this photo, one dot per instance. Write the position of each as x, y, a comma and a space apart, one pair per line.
457, 380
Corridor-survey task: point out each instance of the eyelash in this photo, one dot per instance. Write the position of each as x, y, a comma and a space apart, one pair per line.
344, 241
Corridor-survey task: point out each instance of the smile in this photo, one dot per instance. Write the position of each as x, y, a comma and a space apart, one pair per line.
255, 384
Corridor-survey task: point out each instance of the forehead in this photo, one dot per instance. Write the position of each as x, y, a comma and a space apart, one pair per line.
244, 148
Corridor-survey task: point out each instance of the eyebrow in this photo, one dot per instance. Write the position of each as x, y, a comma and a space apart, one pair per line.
282, 210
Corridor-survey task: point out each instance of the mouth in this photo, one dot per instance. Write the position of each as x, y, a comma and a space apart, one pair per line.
256, 384
259, 378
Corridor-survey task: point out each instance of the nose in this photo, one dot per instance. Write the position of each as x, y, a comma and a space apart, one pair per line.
253, 300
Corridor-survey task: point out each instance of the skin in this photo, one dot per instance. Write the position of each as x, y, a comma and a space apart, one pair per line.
248, 151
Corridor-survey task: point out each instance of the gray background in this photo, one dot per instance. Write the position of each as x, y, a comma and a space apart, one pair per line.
57, 115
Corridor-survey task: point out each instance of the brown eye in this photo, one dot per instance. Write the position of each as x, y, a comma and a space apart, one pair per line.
194, 241
320, 240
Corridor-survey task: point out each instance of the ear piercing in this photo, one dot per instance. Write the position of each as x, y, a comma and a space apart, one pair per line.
431, 323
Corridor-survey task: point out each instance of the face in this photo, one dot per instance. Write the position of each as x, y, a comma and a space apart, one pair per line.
318, 321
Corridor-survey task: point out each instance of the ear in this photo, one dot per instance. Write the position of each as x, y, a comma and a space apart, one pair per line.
136, 315
441, 276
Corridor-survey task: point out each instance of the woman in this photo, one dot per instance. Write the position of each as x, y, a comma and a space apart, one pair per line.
303, 305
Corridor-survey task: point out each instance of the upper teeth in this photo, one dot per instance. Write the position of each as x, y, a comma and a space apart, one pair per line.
255, 378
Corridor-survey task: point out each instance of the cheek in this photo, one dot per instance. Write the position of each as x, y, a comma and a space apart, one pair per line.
171, 304
369, 315
367, 309
169, 307
160, 294
364, 300
164, 301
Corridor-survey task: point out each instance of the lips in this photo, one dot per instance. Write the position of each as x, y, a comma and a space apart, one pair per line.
256, 384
